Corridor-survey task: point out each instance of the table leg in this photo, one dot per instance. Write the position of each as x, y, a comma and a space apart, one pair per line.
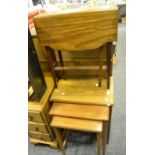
99, 137
109, 124
104, 136
59, 139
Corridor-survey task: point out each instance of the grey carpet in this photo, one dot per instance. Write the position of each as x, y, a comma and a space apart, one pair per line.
85, 144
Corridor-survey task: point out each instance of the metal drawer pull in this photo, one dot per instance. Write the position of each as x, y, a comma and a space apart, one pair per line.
37, 129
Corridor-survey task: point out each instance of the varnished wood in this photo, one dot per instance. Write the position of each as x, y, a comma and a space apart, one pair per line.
39, 106
51, 63
35, 116
109, 124
61, 63
59, 139
37, 127
100, 65
77, 30
40, 136
109, 50
47, 122
37, 141
52, 35
41, 53
99, 135
38, 111
104, 137
61, 31
70, 58
87, 92
109, 63
76, 124
65, 136
90, 112
80, 68
53, 56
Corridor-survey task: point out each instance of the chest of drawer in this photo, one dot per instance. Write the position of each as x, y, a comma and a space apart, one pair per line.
37, 127
40, 136
35, 117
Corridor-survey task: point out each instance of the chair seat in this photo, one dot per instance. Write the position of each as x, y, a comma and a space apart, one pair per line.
76, 124
83, 91
91, 112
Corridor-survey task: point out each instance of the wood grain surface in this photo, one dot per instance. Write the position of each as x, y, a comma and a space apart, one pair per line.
37, 127
83, 91
76, 124
91, 112
77, 30
40, 136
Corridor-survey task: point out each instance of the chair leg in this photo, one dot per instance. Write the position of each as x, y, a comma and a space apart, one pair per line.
104, 137
59, 139
109, 124
99, 136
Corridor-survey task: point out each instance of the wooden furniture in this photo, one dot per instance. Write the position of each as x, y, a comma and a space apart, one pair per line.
94, 27
79, 31
69, 58
39, 120
83, 91
101, 110
61, 31
80, 111
87, 93
41, 53
80, 125
88, 118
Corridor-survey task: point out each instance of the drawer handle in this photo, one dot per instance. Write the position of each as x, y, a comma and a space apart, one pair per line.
37, 129
41, 138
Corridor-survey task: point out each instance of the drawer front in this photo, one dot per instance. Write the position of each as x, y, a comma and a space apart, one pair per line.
35, 117
40, 136
37, 127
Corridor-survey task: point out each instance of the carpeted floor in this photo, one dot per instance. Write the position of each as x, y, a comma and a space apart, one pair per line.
85, 144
